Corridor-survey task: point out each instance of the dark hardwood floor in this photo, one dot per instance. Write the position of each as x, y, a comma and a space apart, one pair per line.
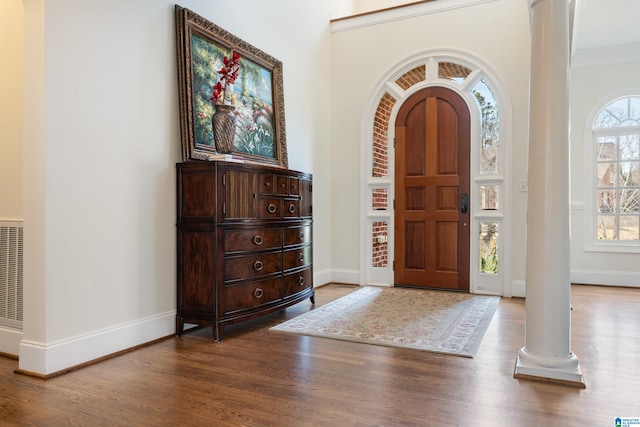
260, 378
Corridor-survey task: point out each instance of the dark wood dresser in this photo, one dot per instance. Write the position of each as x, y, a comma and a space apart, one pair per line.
244, 242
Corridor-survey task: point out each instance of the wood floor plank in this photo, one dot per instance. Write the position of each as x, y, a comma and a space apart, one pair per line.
256, 377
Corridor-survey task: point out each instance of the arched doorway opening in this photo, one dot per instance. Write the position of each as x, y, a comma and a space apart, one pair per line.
489, 269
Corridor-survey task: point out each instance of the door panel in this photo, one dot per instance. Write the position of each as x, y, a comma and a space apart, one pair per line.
415, 255
432, 174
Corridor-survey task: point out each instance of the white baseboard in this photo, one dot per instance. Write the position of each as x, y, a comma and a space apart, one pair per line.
589, 277
518, 288
321, 277
10, 340
607, 278
49, 358
351, 277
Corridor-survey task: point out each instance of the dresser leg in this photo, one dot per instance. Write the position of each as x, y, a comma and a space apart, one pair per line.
179, 326
218, 332
312, 298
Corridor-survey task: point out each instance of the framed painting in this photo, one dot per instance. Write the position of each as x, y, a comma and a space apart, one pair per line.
256, 94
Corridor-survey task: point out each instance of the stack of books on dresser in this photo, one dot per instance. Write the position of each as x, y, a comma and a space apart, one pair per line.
227, 158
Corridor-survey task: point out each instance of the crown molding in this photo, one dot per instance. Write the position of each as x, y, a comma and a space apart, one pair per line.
400, 13
606, 55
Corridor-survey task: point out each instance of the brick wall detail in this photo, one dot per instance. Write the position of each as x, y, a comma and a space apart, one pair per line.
380, 165
449, 70
411, 77
379, 199
380, 251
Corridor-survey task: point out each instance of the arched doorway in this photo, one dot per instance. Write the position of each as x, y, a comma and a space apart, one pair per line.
489, 205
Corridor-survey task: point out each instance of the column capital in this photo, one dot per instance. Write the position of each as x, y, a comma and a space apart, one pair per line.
533, 2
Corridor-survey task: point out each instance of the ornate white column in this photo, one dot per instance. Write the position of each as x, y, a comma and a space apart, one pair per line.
547, 353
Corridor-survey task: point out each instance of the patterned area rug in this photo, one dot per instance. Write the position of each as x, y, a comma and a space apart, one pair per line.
436, 321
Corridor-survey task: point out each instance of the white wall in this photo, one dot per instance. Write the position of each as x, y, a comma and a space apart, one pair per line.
590, 87
342, 8
100, 200
11, 102
11, 30
363, 6
497, 33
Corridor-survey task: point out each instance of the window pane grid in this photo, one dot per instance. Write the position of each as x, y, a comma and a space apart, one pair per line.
618, 170
490, 128
488, 248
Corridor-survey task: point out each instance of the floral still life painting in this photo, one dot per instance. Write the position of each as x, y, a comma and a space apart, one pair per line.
217, 68
250, 94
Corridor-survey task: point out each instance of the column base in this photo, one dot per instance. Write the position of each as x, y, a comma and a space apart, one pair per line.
564, 371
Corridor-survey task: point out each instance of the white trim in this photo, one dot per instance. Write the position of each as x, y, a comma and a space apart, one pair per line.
576, 11
11, 222
400, 13
577, 205
487, 215
489, 179
616, 131
49, 358
559, 368
613, 247
321, 277
351, 277
606, 278
518, 289
619, 54
10, 340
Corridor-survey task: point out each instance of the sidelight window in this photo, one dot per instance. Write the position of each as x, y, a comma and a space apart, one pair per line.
490, 128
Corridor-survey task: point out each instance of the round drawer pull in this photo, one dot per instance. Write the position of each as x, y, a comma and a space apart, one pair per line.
301, 236
257, 266
301, 281
271, 208
258, 293
301, 257
257, 239
292, 208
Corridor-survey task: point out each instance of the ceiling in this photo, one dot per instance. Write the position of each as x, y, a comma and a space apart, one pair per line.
606, 23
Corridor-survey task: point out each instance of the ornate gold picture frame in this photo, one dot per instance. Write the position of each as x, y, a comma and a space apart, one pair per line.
257, 95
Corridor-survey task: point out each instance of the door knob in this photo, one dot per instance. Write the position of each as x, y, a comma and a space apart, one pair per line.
464, 203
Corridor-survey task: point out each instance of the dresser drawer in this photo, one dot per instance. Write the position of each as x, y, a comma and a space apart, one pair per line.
291, 208
266, 184
270, 208
297, 282
252, 240
282, 185
297, 235
252, 265
294, 186
249, 295
297, 257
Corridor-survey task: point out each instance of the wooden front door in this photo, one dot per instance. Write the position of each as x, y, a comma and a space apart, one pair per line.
432, 191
